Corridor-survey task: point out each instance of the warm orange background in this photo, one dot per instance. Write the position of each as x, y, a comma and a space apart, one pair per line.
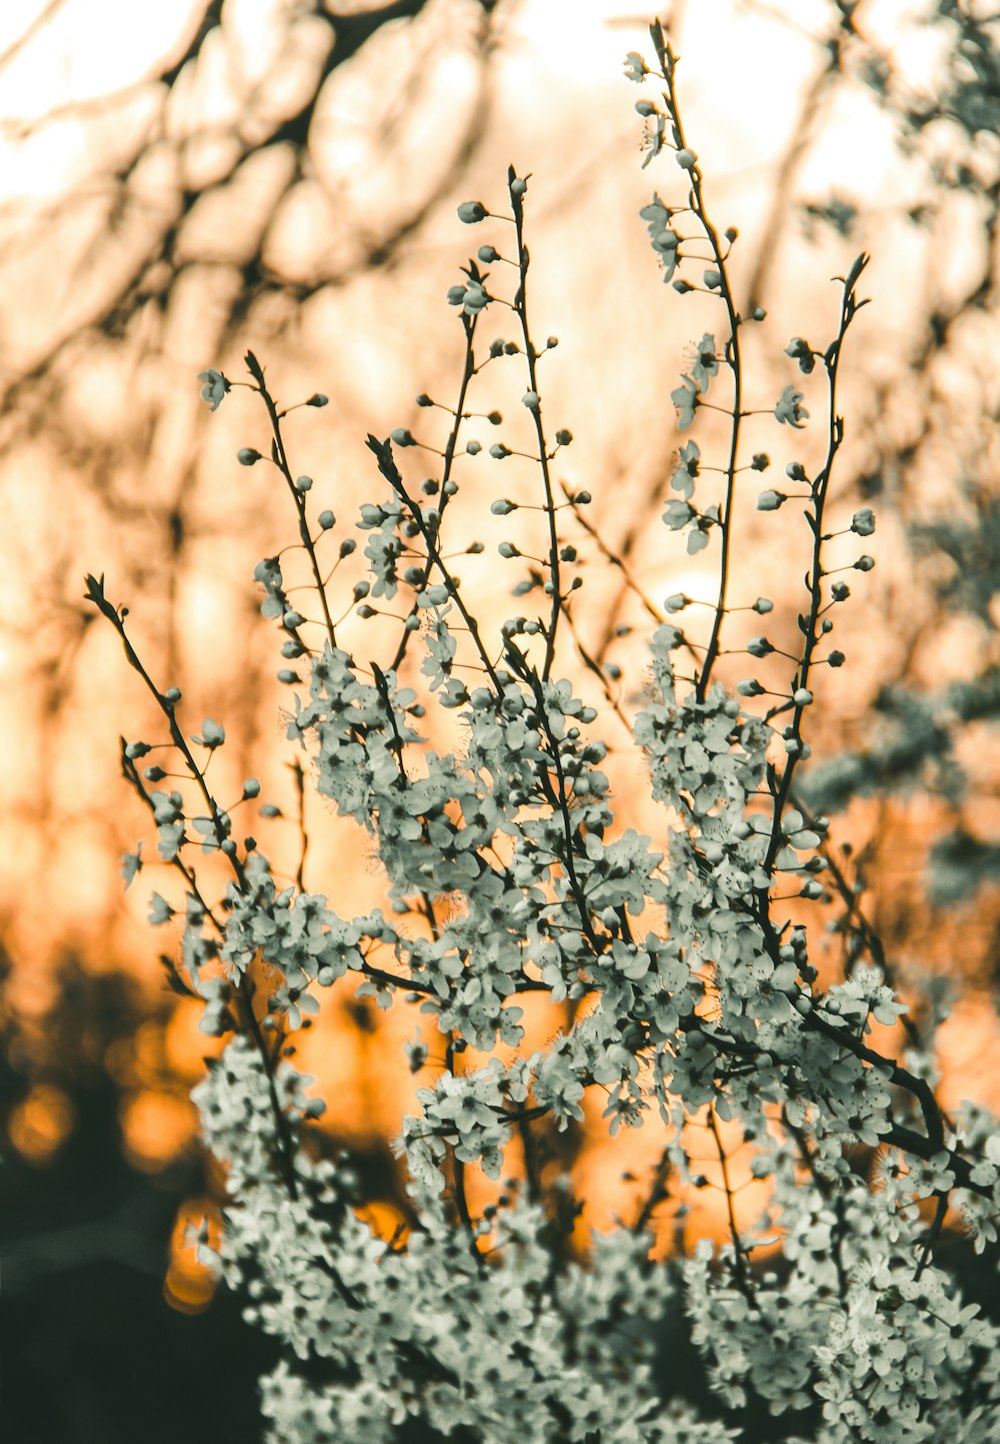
111, 463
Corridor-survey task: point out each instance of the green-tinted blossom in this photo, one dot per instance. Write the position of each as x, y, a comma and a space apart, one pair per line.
789, 408
685, 398
681, 993
215, 389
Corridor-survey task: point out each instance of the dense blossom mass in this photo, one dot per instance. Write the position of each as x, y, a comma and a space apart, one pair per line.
681, 990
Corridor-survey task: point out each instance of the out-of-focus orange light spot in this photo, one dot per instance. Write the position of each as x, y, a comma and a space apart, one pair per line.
41, 1123
189, 1285
966, 1044
155, 1127
31, 991
119, 1062
148, 1042
385, 1220
186, 1045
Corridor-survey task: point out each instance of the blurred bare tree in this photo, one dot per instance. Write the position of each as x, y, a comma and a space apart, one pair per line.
263, 163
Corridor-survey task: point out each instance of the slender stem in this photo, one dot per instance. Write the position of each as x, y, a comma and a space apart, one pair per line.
390, 471
739, 1256
521, 310
280, 459
468, 372
734, 361
809, 625
95, 593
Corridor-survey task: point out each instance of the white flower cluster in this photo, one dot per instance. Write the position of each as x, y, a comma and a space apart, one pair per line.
509, 1352
549, 1363
681, 989
296, 932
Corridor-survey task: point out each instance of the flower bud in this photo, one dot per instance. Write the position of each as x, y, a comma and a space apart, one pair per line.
268, 571
471, 212
247, 456
800, 351
326, 520
770, 500
863, 521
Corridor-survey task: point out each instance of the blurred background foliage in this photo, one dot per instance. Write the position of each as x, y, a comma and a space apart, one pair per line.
283, 174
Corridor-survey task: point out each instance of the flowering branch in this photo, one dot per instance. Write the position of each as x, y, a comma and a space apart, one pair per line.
676, 982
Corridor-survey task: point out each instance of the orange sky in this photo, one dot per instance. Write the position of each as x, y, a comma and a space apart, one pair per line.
561, 110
